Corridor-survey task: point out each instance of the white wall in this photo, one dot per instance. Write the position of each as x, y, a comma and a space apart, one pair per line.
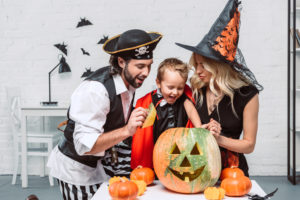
30, 28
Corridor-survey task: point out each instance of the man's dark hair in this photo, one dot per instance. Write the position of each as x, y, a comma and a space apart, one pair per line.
114, 65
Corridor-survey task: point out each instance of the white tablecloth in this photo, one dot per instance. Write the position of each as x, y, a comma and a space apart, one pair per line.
158, 192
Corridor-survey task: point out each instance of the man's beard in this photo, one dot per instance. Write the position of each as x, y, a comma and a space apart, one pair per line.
130, 79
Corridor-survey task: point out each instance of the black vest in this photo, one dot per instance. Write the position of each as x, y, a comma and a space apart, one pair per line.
114, 119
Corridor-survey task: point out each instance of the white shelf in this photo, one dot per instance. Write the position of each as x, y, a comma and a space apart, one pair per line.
297, 10
297, 50
297, 130
297, 90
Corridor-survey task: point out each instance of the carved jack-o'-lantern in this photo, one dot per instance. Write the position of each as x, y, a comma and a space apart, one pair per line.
187, 160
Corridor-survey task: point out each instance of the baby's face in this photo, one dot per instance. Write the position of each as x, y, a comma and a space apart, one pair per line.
171, 86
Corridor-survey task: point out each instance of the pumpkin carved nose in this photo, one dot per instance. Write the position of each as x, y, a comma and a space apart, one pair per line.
185, 162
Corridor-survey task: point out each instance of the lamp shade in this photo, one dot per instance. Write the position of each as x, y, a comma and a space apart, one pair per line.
63, 66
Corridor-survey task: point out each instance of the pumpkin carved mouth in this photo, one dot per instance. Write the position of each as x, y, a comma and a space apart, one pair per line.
187, 176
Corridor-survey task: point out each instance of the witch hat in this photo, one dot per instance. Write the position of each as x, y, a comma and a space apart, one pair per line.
221, 42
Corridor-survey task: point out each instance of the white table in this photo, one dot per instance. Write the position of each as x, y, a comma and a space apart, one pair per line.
42, 111
158, 191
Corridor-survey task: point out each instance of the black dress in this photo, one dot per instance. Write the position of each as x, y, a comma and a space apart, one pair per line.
232, 126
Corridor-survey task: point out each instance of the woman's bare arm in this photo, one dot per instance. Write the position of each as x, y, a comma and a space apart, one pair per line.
250, 125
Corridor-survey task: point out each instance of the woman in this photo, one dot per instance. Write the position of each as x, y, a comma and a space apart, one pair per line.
225, 89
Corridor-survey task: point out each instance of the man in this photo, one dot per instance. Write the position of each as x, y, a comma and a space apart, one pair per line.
100, 121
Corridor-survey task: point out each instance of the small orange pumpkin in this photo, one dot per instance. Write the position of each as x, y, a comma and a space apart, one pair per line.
141, 185
116, 179
143, 173
235, 187
214, 193
123, 190
231, 172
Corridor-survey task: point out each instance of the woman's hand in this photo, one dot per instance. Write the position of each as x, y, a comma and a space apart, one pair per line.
214, 127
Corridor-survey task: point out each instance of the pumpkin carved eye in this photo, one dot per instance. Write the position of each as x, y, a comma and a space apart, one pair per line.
196, 150
175, 149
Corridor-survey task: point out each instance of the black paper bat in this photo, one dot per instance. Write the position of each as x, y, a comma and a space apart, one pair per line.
83, 22
103, 40
85, 52
62, 47
257, 197
86, 73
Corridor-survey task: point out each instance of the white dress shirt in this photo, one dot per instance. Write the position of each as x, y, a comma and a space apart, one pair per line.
89, 107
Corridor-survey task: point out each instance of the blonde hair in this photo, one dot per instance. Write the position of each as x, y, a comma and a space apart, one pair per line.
173, 64
223, 76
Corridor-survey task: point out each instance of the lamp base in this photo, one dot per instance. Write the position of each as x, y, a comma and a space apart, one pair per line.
49, 103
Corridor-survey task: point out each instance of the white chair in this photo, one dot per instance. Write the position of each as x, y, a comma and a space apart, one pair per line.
14, 103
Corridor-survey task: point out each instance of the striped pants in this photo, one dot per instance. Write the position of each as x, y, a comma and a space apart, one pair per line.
77, 192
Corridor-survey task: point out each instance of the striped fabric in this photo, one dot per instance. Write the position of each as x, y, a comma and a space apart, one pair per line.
77, 192
124, 157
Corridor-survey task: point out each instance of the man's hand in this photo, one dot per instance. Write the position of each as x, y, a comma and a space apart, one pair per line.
136, 119
111, 138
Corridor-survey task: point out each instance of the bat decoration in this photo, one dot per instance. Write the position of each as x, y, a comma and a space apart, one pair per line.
62, 47
257, 197
103, 40
85, 52
86, 73
83, 22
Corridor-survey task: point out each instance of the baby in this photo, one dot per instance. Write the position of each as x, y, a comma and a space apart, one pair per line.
174, 108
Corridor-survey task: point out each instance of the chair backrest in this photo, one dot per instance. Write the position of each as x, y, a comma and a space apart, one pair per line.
14, 105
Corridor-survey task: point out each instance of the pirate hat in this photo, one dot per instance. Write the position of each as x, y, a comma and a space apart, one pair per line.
135, 43
221, 42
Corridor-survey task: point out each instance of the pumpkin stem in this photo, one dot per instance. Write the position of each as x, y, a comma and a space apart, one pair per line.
122, 180
139, 167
